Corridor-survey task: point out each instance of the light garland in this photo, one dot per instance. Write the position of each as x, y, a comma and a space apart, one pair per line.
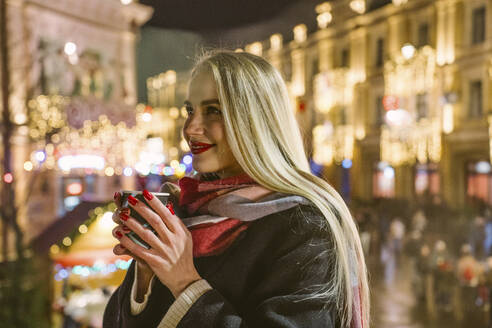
404, 140
98, 268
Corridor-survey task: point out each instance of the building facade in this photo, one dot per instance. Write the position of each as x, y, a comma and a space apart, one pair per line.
392, 96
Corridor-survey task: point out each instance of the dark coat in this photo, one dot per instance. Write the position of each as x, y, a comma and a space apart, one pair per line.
262, 280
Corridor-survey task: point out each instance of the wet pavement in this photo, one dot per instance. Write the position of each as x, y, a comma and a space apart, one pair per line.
395, 306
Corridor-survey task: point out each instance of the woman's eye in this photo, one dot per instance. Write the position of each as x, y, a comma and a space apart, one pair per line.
189, 110
213, 110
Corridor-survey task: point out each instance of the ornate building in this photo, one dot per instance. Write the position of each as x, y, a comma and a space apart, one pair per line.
393, 96
73, 67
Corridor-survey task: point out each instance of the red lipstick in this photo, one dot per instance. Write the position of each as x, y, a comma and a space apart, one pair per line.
199, 147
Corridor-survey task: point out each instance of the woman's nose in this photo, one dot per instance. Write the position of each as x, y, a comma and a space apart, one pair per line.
195, 124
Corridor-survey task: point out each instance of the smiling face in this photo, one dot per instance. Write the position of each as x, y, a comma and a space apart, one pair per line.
204, 128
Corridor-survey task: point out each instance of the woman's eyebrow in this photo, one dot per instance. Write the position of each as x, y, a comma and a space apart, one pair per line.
204, 102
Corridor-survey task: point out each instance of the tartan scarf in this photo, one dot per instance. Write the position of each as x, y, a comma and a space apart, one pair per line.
218, 211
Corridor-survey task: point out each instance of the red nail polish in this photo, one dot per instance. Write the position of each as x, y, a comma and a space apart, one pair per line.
116, 195
132, 200
119, 234
147, 195
124, 217
170, 208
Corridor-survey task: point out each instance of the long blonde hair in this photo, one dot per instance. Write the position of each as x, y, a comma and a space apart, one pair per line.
265, 139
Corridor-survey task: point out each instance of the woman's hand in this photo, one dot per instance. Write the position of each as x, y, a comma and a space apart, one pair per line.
171, 254
143, 269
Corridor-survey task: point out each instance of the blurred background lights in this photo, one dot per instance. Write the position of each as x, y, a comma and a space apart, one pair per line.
389, 172
408, 51
187, 159
70, 48
75, 188
128, 171
67, 241
40, 156
146, 117
346, 163
483, 167
54, 249
398, 117
106, 221
28, 166
109, 171
8, 177
83, 228
126, 2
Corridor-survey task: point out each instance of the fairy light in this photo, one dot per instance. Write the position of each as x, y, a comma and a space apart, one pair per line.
67, 241
8, 177
109, 171
83, 229
54, 249
28, 166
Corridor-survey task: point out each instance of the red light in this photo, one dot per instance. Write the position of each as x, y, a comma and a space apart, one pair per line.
391, 103
75, 188
8, 177
148, 109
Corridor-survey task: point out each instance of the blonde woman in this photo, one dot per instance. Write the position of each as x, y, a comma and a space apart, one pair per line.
258, 241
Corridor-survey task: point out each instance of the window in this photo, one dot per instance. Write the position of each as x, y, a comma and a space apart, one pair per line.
423, 35
475, 110
379, 113
383, 181
379, 52
422, 106
478, 27
479, 181
345, 59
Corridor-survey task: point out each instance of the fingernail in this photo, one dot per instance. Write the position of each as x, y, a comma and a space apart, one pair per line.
126, 229
132, 200
147, 195
124, 217
116, 195
119, 234
170, 207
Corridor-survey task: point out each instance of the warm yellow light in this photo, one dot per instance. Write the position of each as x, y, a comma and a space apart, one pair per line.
399, 2
67, 241
300, 33
54, 249
83, 228
109, 171
28, 166
256, 48
170, 77
276, 41
447, 118
359, 6
174, 164
174, 112
324, 19
323, 7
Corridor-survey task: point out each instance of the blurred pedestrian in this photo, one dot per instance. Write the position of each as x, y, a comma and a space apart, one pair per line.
477, 237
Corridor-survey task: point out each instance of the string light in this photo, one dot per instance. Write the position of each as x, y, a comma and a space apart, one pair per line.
28, 166
8, 178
